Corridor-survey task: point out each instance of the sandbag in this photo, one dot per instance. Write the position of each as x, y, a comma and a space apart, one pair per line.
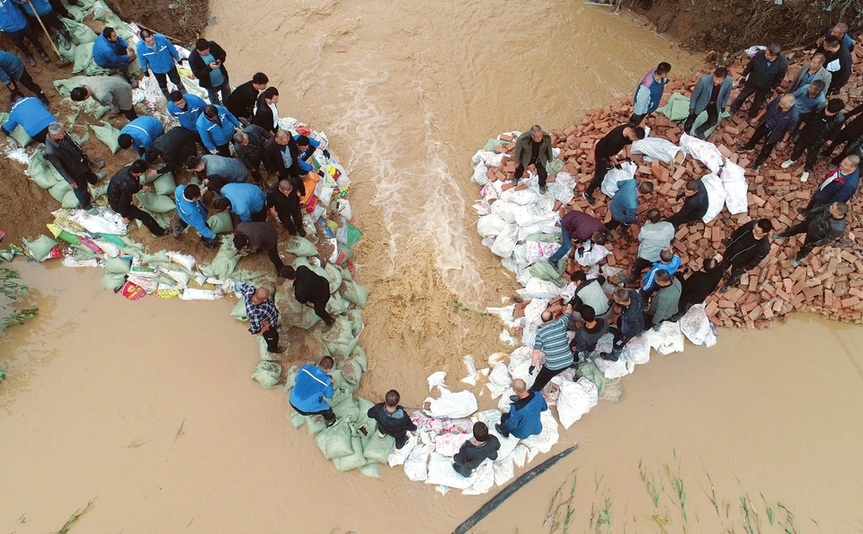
736, 187
69, 200
113, 281
267, 373
379, 448
40, 248
164, 184
42, 172
334, 276
20, 136
108, 135
360, 357
335, 441
83, 57
371, 470
221, 222
544, 271
225, 262
117, 266
155, 203
59, 190
238, 312
355, 460
315, 424
355, 293
81, 33
300, 246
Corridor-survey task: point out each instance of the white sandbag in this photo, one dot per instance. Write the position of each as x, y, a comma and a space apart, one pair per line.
539, 289
416, 464
657, 148
573, 401
715, 196
505, 210
449, 444
440, 471
191, 293
591, 390
563, 188
503, 470
460, 404
613, 369
668, 339
610, 182
545, 440
498, 380
490, 225
734, 182
483, 477
480, 175
398, 456
591, 257
505, 241
523, 197
703, 151
637, 350
695, 325
104, 222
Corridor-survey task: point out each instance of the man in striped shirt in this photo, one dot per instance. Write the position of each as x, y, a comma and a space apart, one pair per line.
263, 315
551, 339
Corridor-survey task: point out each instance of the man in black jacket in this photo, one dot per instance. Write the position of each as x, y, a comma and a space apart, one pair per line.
266, 112
745, 249
476, 450
174, 148
695, 205
838, 62
283, 201
310, 288
848, 137
72, 164
821, 126
122, 186
629, 307
249, 148
280, 156
207, 62
619, 139
762, 74
392, 418
241, 102
823, 225
698, 286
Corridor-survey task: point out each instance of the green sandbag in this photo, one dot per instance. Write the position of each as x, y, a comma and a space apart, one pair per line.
371, 470
238, 312
590, 371
221, 222
20, 136
108, 135
494, 143
42, 172
334, 275
155, 203
554, 166
351, 371
117, 266
40, 247
81, 33
354, 234
267, 373
99, 12
159, 257
335, 441
355, 316
68, 53
336, 306
297, 420
59, 190
354, 460
315, 424
113, 281
83, 57
677, 107
346, 409
300, 246
225, 262
164, 184
355, 293
77, 12
543, 238
360, 357
65, 86
379, 449
97, 191
94, 69
543, 270
70, 201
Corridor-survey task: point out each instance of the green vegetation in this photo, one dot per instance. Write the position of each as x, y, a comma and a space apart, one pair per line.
12, 289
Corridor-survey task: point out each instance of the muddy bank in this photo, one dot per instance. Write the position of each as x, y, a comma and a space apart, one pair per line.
181, 20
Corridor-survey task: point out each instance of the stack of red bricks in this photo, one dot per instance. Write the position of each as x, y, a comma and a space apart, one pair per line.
829, 281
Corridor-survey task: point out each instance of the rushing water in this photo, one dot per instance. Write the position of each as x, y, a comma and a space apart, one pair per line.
147, 407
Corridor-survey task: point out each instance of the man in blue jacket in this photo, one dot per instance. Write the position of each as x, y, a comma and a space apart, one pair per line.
711, 95
110, 51
15, 26
193, 212
649, 93
12, 72
48, 17
216, 126
839, 185
158, 54
523, 419
186, 108
31, 114
307, 147
141, 133
246, 201
625, 203
312, 385
774, 125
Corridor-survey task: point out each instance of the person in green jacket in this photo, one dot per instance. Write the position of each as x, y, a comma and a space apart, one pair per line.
533, 148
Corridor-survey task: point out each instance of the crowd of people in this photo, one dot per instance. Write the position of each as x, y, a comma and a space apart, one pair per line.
226, 139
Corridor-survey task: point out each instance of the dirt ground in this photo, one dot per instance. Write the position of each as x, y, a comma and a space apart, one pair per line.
181, 20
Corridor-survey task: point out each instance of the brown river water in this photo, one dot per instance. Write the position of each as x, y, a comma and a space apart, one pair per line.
146, 407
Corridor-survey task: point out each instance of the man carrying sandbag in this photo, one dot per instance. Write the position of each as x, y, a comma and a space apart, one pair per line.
392, 418
255, 236
72, 164
310, 288
312, 385
173, 147
123, 186
193, 212
263, 315
108, 91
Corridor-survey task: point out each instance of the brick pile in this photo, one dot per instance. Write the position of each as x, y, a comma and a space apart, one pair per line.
829, 281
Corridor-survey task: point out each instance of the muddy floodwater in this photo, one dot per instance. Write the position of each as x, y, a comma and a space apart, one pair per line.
146, 408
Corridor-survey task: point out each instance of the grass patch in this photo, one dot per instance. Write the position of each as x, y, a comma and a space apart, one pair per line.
75, 517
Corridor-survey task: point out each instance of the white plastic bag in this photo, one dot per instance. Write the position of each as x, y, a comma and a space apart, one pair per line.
734, 182
715, 196
656, 148
703, 151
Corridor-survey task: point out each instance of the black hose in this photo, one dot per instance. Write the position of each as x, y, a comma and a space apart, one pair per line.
508, 491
